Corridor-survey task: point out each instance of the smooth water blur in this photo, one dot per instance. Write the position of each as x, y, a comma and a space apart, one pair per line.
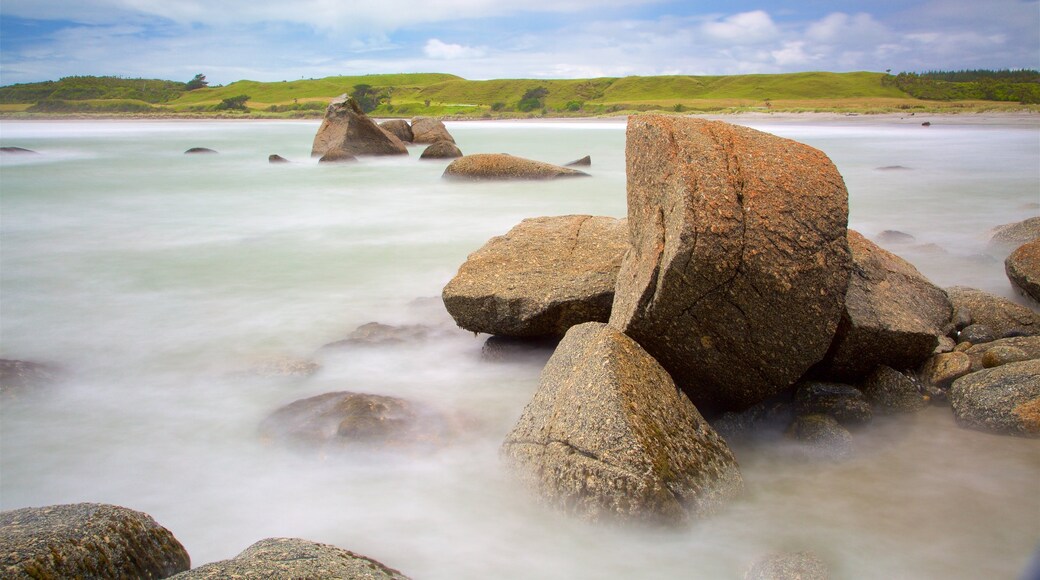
153, 279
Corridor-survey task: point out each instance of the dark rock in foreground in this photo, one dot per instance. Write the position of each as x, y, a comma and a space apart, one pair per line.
343, 420
347, 129
442, 150
609, 437
843, 402
739, 263
542, 277
1023, 269
1002, 316
1004, 400
500, 166
893, 315
292, 558
790, 566
199, 150
87, 540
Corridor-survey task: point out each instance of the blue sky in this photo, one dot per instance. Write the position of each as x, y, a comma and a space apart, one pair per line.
229, 40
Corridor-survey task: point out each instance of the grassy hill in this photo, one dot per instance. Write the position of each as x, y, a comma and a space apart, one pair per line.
406, 95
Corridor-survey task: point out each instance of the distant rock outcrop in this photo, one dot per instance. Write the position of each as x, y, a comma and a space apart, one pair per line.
501, 166
736, 278
542, 277
346, 128
293, 558
609, 437
87, 540
429, 130
1023, 269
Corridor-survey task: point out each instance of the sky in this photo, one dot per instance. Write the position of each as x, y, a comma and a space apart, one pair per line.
229, 40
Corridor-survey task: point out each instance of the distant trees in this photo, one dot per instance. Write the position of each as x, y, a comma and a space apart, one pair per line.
367, 97
533, 99
1022, 86
198, 82
236, 103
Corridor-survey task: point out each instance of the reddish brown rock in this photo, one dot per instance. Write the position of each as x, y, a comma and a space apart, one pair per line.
500, 166
347, 129
1023, 269
442, 150
429, 130
894, 316
739, 263
398, 128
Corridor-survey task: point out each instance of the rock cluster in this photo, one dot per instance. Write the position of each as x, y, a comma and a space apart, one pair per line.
348, 131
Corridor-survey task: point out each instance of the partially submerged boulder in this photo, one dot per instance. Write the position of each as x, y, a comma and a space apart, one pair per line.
893, 315
17, 151
788, 566
442, 150
348, 129
337, 156
609, 437
1017, 233
379, 334
343, 420
1023, 269
429, 130
294, 558
822, 436
739, 263
275, 158
542, 277
87, 540
199, 151
1004, 400
398, 128
1002, 316
583, 162
21, 375
891, 391
502, 166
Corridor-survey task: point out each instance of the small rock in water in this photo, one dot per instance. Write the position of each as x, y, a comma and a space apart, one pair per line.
1017, 233
283, 366
442, 150
895, 237
824, 436
17, 376
337, 156
893, 168
583, 162
399, 128
788, 566
843, 402
199, 150
17, 151
976, 334
276, 159
1023, 269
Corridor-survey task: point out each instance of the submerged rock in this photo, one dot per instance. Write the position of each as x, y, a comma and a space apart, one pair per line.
441, 150
1004, 400
337, 156
275, 158
1002, 316
347, 129
890, 391
739, 263
429, 130
895, 237
19, 375
788, 566
539, 279
843, 402
199, 150
17, 151
344, 420
398, 128
1017, 233
609, 437
500, 166
1023, 269
893, 315
583, 162
87, 540
823, 436
379, 334
294, 558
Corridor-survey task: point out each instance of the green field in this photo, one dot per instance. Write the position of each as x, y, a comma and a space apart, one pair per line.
407, 95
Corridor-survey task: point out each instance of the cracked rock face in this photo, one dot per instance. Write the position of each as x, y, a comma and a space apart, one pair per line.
294, 558
542, 277
347, 130
739, 263
608, 436
893, 315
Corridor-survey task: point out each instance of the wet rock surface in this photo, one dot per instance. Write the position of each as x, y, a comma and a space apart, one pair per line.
1004, 400
822, 437
442, 150
739, 263
20, 376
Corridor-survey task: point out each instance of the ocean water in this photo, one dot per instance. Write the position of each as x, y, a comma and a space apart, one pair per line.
155, 280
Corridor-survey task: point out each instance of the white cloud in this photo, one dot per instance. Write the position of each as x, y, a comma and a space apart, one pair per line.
435, 48
744, 28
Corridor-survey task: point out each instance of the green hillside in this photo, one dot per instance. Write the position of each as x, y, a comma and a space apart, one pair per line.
406, 95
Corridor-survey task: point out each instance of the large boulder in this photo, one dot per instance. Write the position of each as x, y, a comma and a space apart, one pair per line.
542, 277
502, 166
347, 129
429, 130
346, 420
893, 315
294, 558
609, 437
1005, 399
398, 128
1002, 316
739, 263
1023, 269
87, 540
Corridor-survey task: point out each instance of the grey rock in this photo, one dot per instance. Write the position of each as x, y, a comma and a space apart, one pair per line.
17, 151
398, 128
893, 315
442, 150
1002, 316
1004, 400
609, 437
823, 436
347, 129
1023, 269
843, 402
788, 566
739, 263
542, 277
891, 391
87, 540
504, 167
764, 420
199, 151
429, 130
293, 558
